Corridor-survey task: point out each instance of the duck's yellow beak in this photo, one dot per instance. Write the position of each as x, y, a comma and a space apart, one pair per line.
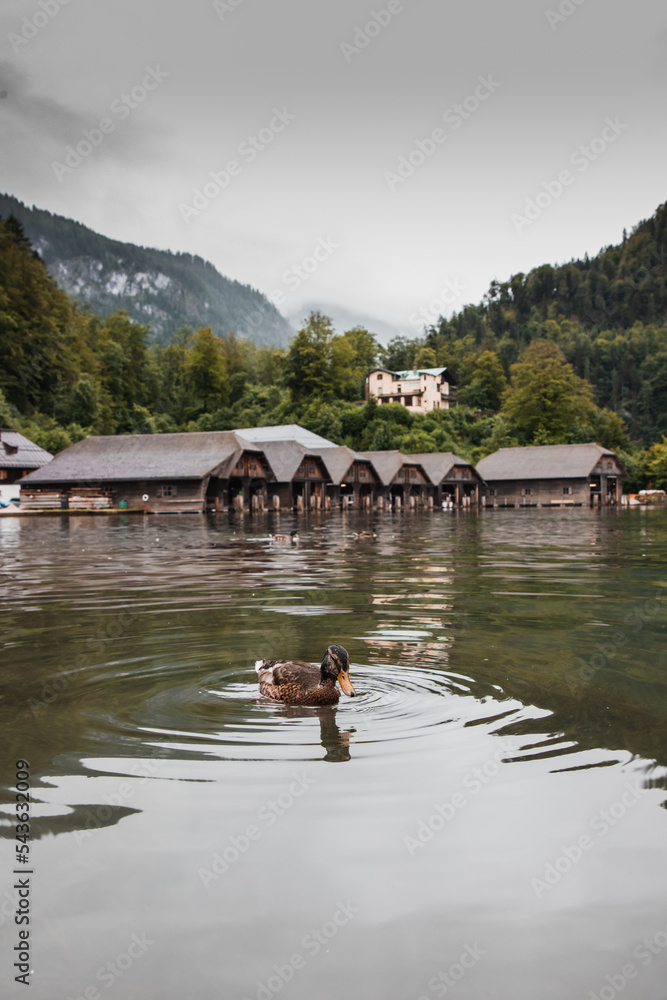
346, 684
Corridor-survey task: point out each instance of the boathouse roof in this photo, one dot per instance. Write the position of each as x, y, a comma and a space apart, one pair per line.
338, 462
144, 456
438, 465
385, 463
194, 455
285, 432
547, 461
18, 452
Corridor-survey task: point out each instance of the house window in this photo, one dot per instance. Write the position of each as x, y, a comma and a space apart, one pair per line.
493, 493
398, 388
167, 490
527, 492
567, 490
408, 400
379, 377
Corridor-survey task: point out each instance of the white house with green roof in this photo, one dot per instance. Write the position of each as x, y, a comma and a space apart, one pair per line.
419, 390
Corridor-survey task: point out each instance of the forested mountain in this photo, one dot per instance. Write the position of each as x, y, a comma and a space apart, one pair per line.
608, 314
161, 289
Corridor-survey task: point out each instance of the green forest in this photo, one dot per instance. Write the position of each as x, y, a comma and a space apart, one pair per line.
563, 354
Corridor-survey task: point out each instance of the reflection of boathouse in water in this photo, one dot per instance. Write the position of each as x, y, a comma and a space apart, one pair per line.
290, 468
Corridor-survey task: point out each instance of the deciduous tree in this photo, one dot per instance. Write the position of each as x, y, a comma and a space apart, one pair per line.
545, 397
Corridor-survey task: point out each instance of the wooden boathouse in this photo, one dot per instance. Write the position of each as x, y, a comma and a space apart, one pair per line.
284, 467
557, 475
151, 472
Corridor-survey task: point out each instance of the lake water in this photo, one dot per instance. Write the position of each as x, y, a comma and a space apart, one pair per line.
485, 820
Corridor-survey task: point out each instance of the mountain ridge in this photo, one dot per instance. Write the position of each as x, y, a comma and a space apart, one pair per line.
159, 288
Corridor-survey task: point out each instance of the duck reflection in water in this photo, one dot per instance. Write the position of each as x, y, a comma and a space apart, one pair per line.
335, 740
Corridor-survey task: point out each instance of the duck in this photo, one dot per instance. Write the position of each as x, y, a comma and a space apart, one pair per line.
365, 534
298, 683
292, 537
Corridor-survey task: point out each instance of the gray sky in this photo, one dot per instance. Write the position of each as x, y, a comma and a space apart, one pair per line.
316, 107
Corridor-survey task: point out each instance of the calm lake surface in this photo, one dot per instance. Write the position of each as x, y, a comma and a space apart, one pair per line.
485, 820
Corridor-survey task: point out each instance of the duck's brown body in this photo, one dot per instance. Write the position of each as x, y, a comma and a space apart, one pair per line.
296, 682
300, 683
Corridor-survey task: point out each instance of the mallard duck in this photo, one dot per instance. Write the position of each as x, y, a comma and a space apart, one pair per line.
365, 534
292, 537
300, 683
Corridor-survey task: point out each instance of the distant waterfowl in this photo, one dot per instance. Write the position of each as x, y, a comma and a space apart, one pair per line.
292, 537
300, 683
365, 534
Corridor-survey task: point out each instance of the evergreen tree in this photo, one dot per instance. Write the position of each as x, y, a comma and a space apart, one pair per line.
206, 371
308, 367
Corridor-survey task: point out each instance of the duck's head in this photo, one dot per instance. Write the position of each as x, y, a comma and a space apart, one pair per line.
336, 665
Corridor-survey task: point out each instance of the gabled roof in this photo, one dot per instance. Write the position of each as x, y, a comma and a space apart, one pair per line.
548, 461
284, 457
385, 463
285, 432
338, 462
411, 373
18, 452
438, 465
184, 455
144, 456
416, 372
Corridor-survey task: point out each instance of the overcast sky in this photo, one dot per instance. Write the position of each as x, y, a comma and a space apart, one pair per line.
316, 106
